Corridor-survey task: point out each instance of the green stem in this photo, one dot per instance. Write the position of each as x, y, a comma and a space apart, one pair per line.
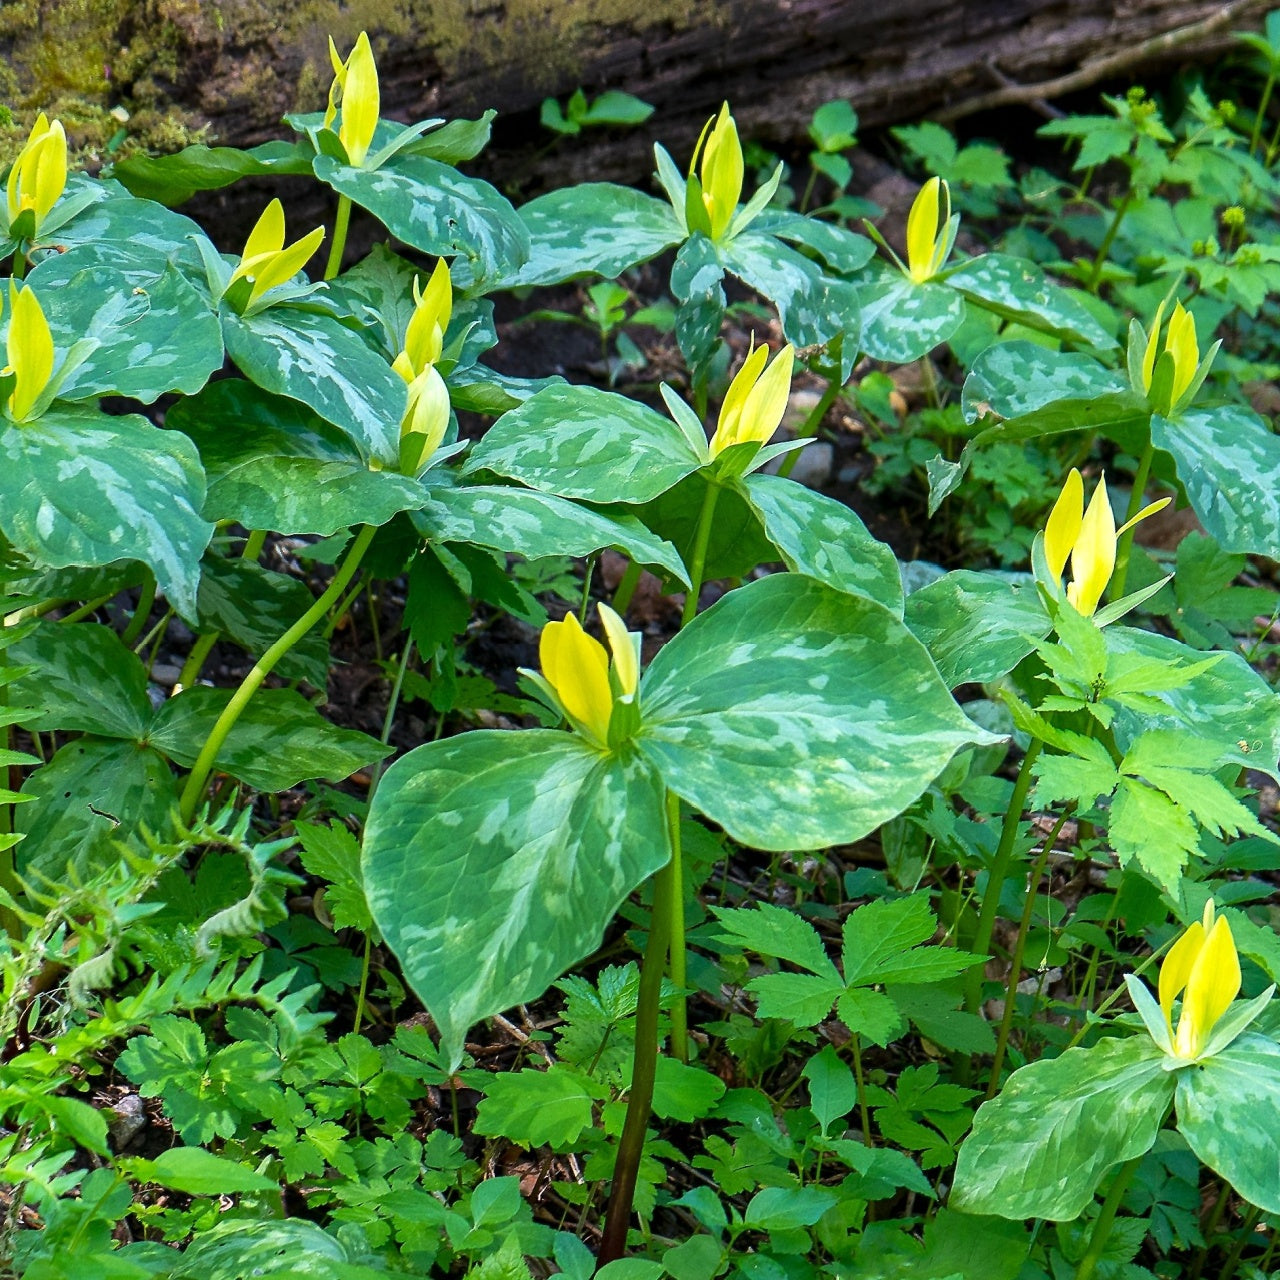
627, 587
613, 1244
92, 607
253, 545
1209, 1228
364, 985
855, 1045
146, 598
340, 224
389, 719
1121, 575
1105, 247
20, 263
1256, 136
678, 965
809, 427
199, 775
1019, 952
1242, 1243
701, 538
1106, 1218
587, 574
203, 646
342, 610
999, 871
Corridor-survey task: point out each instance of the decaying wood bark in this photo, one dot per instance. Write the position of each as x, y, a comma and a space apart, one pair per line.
237, 65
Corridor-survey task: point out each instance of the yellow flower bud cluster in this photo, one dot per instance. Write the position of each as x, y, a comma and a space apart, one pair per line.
426, 415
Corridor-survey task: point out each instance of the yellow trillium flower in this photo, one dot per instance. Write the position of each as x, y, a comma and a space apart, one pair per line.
578, 669
356, 80
721, 172
756, 399
39, 174
1088, 538
1204, 968
265, 259
929, 230
29, 350
426, 418
424, 340
1180, 342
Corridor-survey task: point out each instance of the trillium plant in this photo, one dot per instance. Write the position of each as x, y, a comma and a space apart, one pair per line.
786, 893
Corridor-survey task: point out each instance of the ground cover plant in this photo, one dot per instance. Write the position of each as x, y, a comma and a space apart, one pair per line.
714, 889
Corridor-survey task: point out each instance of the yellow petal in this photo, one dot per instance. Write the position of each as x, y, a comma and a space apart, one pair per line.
1063, 525
339, 75
1181, 341
266, 238
922, 231
424, 339
625, 666
577, 668
1177, 966
286, 264
1213, 984
49, 170
735, 399
767, 400
30, 351
722, 172
426, 418
1153, 349
1093, 558
1149, 510
360, 101
940, 243
18, 185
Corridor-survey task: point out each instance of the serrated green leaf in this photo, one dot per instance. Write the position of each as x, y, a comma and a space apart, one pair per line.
799, 998
780, 933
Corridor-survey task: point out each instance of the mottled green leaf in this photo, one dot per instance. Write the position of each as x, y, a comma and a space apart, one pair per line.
697, 277
493, 861
538, 524
843, 251
79, 487
1014, 379
91, 793
313, 358
1228, 460
902, 320
594, 228
581, 442
279, 740
977, 626
1222, 1103
1042, 1146
440, 211
798, 717
824, 539
155, 330
175, 178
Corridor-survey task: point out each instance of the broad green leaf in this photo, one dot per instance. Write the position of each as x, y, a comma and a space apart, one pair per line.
581, 442
198, 1172
697, 277
286, 1249
539, 1108
440, 211
1228, 704
1015, 379
824, 539
786, 1208
538, 524
253, 607
85, 680
843, 251
313, 358
92, 792
832, 1090
272, 463
155, 330
683, 1092
79, 487
976, 626
1223, 1103
493, 861
1017, 290
594, 228
175, 178
85, 1125
737, 542
902, 320
798, 717
1228, 460
279, 740
1042, 1146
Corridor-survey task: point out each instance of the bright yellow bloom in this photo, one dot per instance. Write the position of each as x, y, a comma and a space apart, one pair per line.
356, 80
30, 351
265, 259
424, 340
426, 418
756, 399
1088, 537
577, 668
1204, 967
39, 174
721, 173
929, 230
1180, 342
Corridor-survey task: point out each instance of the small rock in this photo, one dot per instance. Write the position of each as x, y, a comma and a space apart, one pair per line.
814, 465
166, 674
803, 401
125, 1120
